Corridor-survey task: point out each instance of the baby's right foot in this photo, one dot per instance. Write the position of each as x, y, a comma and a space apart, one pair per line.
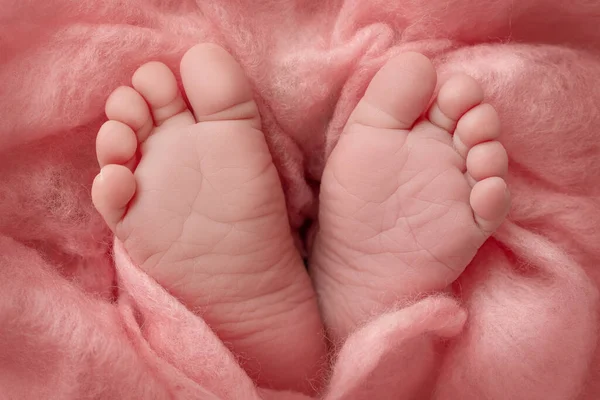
406, 202
204, 213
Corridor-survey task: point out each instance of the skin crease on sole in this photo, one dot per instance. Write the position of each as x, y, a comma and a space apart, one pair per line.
406, 201
194, 196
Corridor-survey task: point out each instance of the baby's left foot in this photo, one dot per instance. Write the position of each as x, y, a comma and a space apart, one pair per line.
406, 202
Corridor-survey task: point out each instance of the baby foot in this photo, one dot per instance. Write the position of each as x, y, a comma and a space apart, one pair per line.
406, 202
196, 200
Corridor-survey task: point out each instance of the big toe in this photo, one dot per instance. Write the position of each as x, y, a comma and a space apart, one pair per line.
216, 86
398, 94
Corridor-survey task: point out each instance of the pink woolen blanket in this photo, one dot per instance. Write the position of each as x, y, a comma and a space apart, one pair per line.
79, 321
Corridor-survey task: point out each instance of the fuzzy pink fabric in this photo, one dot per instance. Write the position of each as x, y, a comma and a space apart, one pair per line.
79, 321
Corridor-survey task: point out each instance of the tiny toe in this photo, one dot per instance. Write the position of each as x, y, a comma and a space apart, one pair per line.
398, 94
490, 200
487, 160
457, 96
116, 143
112, 190
157, 84
216, 86
126, 105
479, 125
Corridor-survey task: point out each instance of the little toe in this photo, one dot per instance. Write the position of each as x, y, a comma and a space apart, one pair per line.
157, 84
216, 86
490, 201
126, 105
398, 94
112, 191
116, 143
456, 96
479, 125
487, 160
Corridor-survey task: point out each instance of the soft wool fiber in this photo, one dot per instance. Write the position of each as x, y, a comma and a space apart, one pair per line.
79, 321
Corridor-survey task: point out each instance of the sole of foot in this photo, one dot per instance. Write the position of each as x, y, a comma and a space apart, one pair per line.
412, 190
192, 192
